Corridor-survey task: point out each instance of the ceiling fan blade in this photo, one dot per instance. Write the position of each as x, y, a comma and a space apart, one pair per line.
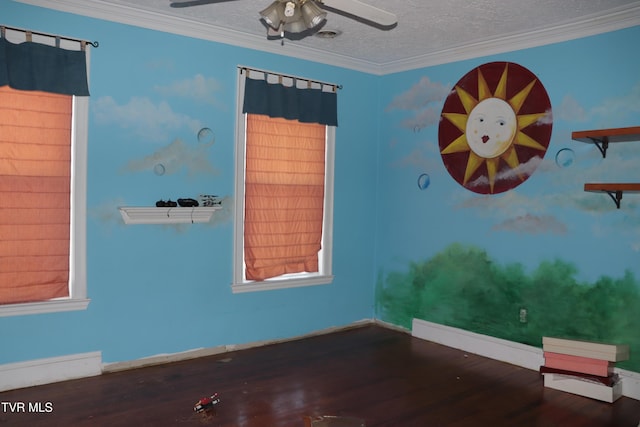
360, 11
189, 3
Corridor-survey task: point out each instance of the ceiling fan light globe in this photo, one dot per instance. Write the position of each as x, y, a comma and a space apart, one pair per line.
312, 14
295, 26
273, 14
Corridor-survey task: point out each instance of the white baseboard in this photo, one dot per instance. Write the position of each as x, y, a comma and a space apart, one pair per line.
630, 383
50, 370
495, 348
511, 352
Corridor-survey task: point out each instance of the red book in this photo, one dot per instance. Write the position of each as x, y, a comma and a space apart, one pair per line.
584, 365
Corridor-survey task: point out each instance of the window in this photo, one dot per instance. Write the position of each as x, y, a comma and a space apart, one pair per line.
284, 196
43, 139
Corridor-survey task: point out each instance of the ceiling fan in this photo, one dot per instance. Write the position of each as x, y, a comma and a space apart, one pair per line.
299, 18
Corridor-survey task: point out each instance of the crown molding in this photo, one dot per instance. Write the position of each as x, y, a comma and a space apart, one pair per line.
614, 19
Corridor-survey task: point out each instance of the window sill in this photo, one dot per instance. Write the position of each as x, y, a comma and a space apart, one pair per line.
270, 285
43, 307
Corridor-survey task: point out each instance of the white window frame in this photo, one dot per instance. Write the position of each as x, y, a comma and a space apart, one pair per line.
324, 276
77, 299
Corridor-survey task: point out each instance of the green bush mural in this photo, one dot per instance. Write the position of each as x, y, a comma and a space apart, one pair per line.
464, 288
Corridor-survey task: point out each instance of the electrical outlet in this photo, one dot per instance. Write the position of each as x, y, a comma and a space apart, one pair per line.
523, 315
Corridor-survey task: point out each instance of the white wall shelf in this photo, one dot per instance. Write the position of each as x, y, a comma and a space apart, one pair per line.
176, 215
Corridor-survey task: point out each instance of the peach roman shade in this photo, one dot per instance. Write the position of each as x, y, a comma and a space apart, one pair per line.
35, 168
284, 196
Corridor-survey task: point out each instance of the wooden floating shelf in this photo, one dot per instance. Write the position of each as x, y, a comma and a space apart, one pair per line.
602, 137
176, 215
614, 190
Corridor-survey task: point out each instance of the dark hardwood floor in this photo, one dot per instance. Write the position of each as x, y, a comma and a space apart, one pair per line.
380, 375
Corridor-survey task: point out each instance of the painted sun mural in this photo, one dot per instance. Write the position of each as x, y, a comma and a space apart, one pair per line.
495, 127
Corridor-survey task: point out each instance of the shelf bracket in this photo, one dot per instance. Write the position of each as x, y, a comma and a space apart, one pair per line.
602, 145
616, 196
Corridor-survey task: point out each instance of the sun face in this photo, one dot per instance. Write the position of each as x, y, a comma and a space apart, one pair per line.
491, 127
495, 127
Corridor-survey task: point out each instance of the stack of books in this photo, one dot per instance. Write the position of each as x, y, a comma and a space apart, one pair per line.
583, 367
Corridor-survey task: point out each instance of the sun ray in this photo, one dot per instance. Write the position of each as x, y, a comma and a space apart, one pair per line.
468, 101
526, 141
473, 163
519, 98
511, 158
525, 120
492, 171
459, 120
459, 145
483, 87
501, 89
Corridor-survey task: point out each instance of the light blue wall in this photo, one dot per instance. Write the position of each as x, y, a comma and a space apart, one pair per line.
157, 289
592, 83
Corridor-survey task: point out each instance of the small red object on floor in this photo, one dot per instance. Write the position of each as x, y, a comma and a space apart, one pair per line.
206, 402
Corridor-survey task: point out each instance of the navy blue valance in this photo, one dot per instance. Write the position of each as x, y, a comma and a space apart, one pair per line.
36, 66
309, 105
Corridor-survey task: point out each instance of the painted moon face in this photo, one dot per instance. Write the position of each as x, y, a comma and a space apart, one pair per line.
491, 128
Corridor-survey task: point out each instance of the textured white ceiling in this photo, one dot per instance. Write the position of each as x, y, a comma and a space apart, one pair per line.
425, 28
